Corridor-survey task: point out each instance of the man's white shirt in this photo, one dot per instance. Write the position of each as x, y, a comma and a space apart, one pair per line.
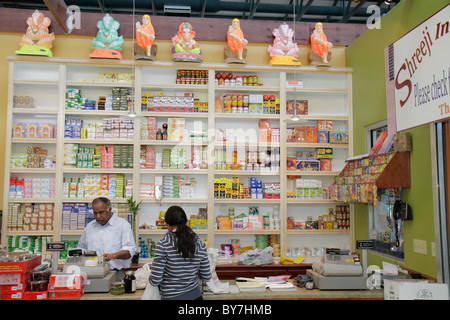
114, 236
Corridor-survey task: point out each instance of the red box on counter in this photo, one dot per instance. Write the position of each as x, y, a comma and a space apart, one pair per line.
20, 266
35, 295
11, 295
68, 294
65, 282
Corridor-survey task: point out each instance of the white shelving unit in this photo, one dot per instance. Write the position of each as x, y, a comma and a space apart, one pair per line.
328, 92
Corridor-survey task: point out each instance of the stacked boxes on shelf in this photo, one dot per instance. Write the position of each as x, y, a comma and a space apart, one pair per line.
175, 187
263, 160
75, 216
118, 100
148, 128
175, 129
109, 128
323, 132
35, 157
106, 157
95, 185
33, 130
232, 189
32, 188
30, 217
33, 244
147, 157
339, 218
254, 220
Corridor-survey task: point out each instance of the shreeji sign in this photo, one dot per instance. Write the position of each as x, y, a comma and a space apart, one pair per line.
418, 74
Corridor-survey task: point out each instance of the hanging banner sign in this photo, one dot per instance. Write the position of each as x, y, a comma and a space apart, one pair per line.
418, 74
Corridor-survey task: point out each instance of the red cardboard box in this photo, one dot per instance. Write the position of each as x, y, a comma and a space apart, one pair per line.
35, 295
65, 282
11, 295
20, 266
68, 294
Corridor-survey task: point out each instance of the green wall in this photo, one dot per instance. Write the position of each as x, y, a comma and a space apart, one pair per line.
366, 56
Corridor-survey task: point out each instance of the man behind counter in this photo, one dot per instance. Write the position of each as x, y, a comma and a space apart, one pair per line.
109, 235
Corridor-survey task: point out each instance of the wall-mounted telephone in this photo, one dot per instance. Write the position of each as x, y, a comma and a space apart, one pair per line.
402, 211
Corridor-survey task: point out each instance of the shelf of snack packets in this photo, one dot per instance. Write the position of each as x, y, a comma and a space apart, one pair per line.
361, 178
24, 277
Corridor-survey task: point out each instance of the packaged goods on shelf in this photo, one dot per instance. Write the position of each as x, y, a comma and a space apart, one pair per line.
35, 157
147, 157
119, 100
175, 129
147, 190
74, 101
305, 252
339, 137
309, 189
192, 77
253, 220
33, 244
300, 105
161, 103
34, 130
224, 79
119, 156
23, 102
31, 187
106, 77
75, 216
337, 218
174, 187
30, 217
109, 128
147, 248
95, 185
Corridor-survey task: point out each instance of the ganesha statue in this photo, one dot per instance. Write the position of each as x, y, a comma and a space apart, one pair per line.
283, 51
37, 40
108, 43
184, 46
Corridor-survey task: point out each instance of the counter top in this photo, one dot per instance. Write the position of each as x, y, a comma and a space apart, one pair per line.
298, 294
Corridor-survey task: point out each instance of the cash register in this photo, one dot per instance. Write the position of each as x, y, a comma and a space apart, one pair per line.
99, 274
338, 271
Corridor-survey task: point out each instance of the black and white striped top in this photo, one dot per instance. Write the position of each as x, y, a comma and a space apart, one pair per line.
172, 273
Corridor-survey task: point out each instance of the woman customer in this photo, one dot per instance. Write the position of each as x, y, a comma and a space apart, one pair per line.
180, 259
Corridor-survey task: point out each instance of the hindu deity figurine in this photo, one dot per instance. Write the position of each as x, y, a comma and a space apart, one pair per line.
283, 51
108, 43
235, 51
37, 40
145, 36
184, 46
319, 54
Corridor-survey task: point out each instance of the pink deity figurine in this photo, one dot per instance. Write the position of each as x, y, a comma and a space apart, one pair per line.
37, 40
283, 51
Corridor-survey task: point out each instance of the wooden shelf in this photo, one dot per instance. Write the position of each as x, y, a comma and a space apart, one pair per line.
65, 72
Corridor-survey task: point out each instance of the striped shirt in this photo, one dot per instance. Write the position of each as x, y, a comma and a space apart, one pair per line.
173, 274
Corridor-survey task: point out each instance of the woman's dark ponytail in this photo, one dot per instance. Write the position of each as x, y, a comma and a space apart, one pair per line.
175, 216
